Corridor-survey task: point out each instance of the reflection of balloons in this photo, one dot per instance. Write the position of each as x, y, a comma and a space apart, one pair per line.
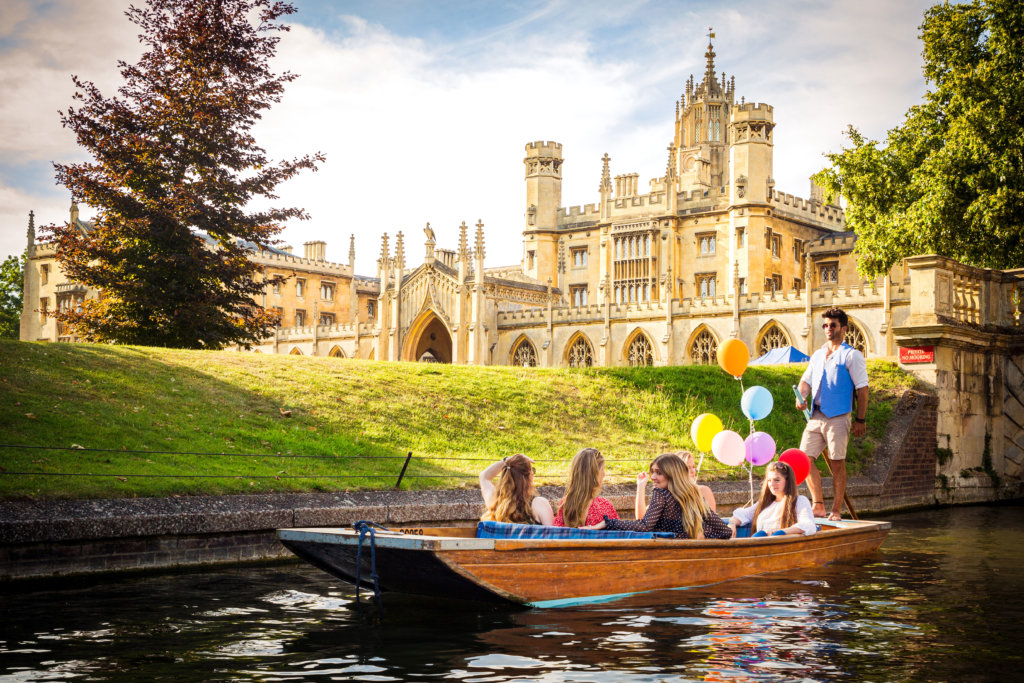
760, 448
733, 356
704, 429
756, 403
798, 460
727, 446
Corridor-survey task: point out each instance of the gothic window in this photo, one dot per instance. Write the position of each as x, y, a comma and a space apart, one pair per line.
327, 291
741, 238
371, 308
44, 274
704, 350
530, 259
743, 286
706, 285
581, 355
579, 295
828, 273
524, 354
798, 284
326, 318
647, 292
776, 246
798, 250
579, 257
773, 283
706, 244
855, 338
300, 288
640, 351
336, 352
773, 338
300, 318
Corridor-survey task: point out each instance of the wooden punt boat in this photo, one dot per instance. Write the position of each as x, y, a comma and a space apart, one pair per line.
449, 562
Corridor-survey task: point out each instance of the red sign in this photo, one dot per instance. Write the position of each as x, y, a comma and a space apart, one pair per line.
917, 354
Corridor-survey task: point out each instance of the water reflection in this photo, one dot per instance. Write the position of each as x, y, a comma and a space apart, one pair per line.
942, 600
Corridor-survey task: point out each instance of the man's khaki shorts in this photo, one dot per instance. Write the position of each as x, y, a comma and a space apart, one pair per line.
822, 432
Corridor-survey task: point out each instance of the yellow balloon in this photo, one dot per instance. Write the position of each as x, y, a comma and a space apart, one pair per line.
733, 356
704, 429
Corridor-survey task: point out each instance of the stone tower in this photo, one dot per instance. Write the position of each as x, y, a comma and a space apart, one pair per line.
701, 135
543, 198
750, 189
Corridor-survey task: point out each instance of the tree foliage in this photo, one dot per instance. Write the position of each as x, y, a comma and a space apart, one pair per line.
12, 285
950, 179
174, 159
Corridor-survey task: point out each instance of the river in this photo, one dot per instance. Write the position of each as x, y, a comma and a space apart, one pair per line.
943, 600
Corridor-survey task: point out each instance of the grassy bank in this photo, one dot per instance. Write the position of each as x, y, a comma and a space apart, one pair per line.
225, 422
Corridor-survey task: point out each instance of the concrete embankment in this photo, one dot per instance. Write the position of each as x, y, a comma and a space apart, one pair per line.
41, 539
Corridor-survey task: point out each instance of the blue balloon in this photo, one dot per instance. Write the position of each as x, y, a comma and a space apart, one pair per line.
757, 403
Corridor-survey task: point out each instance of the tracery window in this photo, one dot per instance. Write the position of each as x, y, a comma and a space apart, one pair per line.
706, 285
704, 350
640, 352
855, 338
773, 338
828, 273
581, 355
706, 244
524, 354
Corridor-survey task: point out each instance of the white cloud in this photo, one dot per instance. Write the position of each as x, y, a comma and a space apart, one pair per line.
419, 130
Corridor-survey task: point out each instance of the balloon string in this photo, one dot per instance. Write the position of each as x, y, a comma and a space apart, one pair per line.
700, 462
750, 476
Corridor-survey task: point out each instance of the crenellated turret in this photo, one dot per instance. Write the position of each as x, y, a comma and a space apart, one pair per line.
543, 198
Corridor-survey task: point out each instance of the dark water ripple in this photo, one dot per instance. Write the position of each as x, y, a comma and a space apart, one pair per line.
942, 601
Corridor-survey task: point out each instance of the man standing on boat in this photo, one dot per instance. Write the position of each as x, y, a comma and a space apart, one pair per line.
836, 375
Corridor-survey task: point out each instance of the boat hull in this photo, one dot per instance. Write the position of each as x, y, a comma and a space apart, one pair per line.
549, 571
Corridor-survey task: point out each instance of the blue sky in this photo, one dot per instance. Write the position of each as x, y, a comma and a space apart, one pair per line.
423, 108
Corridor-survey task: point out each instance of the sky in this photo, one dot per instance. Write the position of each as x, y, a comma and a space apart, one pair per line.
423, 108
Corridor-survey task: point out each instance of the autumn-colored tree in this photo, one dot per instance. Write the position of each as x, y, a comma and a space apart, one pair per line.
174, 166
950, 179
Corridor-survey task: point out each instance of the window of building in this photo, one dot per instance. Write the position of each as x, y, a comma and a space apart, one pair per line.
640, 351
743, 285
581, 354
327, 291
773, 283
300, 318
579, 257
44, 309
704, 350
741, 238
371, 308
855, 338
773, 338
798, 250
531, 259
300, 288
579, 295
280, 314
706, 244
277, 288
326, 318
524, 354
776, 246
44, 273
798, 284
706, 284
828, 273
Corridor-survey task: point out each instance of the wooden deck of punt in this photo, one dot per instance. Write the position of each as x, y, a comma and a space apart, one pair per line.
449, 562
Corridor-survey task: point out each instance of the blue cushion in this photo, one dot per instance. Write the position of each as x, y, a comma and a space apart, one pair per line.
743, 531
506, 530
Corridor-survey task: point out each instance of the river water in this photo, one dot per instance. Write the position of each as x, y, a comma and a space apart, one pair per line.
943, 600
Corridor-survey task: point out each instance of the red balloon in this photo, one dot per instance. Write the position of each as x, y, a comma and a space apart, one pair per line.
798, 460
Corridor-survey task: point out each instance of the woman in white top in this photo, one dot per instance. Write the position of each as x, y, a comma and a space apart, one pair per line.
780, 510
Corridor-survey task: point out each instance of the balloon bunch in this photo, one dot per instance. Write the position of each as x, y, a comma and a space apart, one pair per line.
728, 446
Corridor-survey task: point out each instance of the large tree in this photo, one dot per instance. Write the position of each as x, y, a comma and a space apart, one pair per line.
12, 278
174, 159
950, 179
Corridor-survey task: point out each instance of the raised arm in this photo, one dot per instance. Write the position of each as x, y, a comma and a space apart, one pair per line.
640, 505
487, 489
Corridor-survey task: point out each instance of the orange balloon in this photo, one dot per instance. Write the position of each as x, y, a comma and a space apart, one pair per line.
733, 356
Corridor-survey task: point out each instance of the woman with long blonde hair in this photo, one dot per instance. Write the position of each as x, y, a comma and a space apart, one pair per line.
640, 504
513, 499
676, 505
779, 510
581, 505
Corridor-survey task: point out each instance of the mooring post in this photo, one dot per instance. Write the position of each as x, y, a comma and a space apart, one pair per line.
404, 466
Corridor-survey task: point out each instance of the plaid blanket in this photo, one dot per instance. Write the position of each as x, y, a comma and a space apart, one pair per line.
505, 530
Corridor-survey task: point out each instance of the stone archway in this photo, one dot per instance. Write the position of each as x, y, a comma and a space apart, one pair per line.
428, 340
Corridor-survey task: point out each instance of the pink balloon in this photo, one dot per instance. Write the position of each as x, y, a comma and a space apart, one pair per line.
728, 448
760, 448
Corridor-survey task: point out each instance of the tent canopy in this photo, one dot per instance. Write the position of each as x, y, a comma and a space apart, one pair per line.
784, 354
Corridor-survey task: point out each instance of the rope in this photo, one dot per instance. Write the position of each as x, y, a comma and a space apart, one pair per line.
364, 527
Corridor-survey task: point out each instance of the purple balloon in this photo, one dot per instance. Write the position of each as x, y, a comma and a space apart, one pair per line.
760, 448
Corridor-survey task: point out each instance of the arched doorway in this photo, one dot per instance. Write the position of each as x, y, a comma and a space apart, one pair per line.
428, 340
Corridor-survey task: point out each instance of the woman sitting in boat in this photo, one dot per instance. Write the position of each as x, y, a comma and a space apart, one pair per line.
640, 505
779, 511
514, 499
676, 505
581, 505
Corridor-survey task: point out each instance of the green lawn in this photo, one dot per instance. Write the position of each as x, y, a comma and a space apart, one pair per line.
215, 420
